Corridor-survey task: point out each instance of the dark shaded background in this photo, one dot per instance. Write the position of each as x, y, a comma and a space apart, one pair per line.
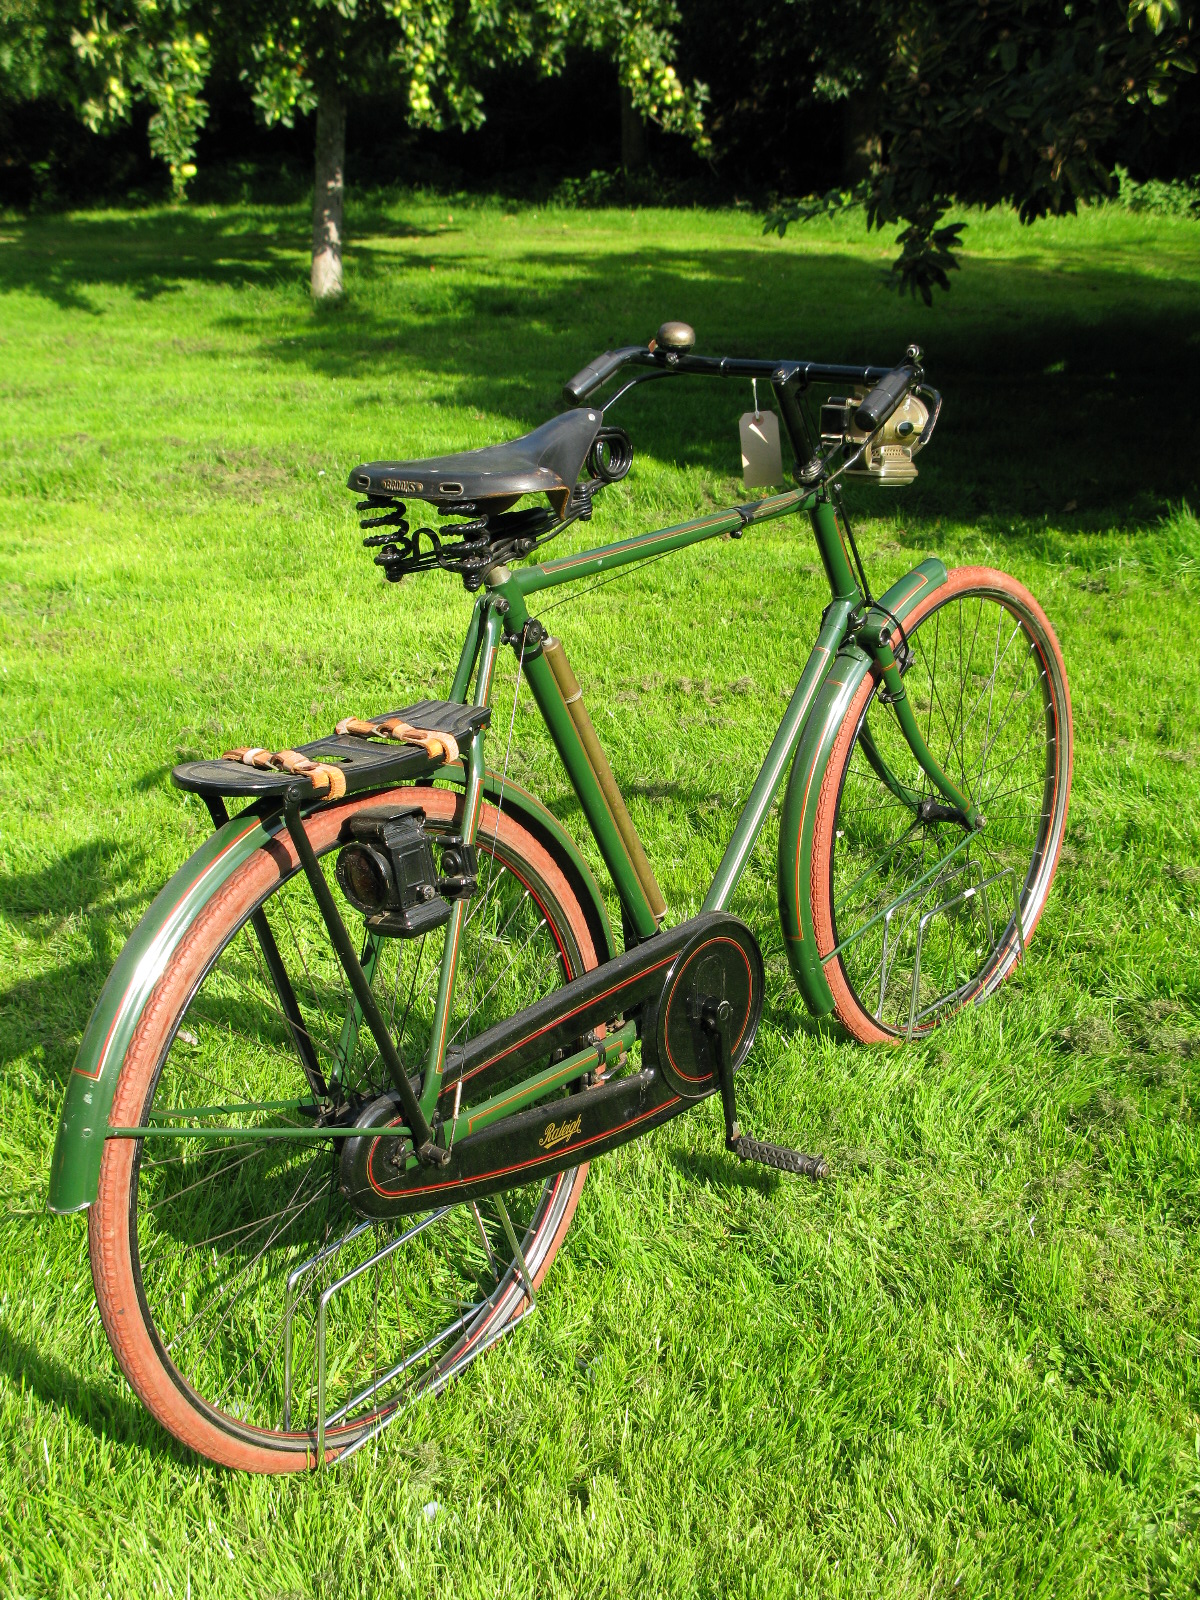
769, 134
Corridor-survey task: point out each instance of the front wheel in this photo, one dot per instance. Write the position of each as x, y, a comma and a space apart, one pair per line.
213, 1256
915, 916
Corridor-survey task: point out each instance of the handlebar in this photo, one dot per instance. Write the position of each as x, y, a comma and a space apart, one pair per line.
884, 397
598, 371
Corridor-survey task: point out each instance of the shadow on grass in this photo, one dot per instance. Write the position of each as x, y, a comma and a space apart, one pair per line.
98, 1405
724, 1171
1057, 382
1054, 398
158, 252
42, 1017
74, 883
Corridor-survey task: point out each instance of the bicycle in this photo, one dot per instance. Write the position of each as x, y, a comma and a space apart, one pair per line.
331, 1115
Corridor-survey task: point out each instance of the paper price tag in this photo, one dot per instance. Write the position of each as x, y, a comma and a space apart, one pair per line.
762, 458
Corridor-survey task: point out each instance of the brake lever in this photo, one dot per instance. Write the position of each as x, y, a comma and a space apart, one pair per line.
632, 383
935, 413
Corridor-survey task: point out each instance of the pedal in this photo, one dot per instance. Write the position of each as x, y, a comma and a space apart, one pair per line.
780, 1157
714, 1018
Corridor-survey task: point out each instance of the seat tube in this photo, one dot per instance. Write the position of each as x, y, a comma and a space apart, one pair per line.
546, 692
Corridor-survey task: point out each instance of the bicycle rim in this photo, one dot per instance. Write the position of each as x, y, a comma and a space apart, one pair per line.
262, 1298
916, 918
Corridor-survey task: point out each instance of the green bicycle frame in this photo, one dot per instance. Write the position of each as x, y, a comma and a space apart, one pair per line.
503, 612
854, 638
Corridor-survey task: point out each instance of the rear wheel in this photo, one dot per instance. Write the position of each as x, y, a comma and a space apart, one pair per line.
915, 918
211, 1256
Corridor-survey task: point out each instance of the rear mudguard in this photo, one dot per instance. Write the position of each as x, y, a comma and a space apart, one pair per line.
550, 833
798, 815
79, 1145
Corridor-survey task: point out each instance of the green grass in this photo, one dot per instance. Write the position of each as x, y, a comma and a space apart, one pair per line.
972, 1360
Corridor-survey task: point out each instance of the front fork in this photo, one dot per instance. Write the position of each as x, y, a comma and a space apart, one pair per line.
872, 634
875, 642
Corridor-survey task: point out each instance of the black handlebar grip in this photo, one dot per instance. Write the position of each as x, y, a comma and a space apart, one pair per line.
884, 398
598, 371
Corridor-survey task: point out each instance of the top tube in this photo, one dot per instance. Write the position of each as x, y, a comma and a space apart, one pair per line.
642, 546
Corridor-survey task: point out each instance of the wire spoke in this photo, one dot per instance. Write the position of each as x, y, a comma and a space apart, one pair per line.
217, 1235
987, 695
504, 974
209, 1177
226, 1286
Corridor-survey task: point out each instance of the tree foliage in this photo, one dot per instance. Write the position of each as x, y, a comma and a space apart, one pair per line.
27, 66
106, 58
932, 104
440, 49
642, 40
158, 52
981, 102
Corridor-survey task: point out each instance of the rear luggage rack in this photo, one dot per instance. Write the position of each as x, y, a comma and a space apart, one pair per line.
363, 762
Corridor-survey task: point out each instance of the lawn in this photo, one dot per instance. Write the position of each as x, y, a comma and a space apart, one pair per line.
970, 1361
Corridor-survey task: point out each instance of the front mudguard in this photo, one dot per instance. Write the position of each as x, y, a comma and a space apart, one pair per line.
798, 815
79, 1144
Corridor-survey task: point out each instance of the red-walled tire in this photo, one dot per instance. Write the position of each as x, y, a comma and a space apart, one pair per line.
914, 917
219, 1389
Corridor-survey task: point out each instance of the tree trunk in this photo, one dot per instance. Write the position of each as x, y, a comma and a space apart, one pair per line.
633, 134
327, 195
860, 138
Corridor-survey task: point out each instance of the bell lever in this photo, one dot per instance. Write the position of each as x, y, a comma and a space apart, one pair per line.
715, 1019
430, 1153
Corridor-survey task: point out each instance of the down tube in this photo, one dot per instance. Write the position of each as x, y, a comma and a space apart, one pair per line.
783, 747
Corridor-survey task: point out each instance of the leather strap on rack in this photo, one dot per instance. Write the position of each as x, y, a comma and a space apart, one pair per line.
324, 777
436, 745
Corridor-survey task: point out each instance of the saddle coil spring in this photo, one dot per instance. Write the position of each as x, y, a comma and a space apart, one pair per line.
467, 549
487, 538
